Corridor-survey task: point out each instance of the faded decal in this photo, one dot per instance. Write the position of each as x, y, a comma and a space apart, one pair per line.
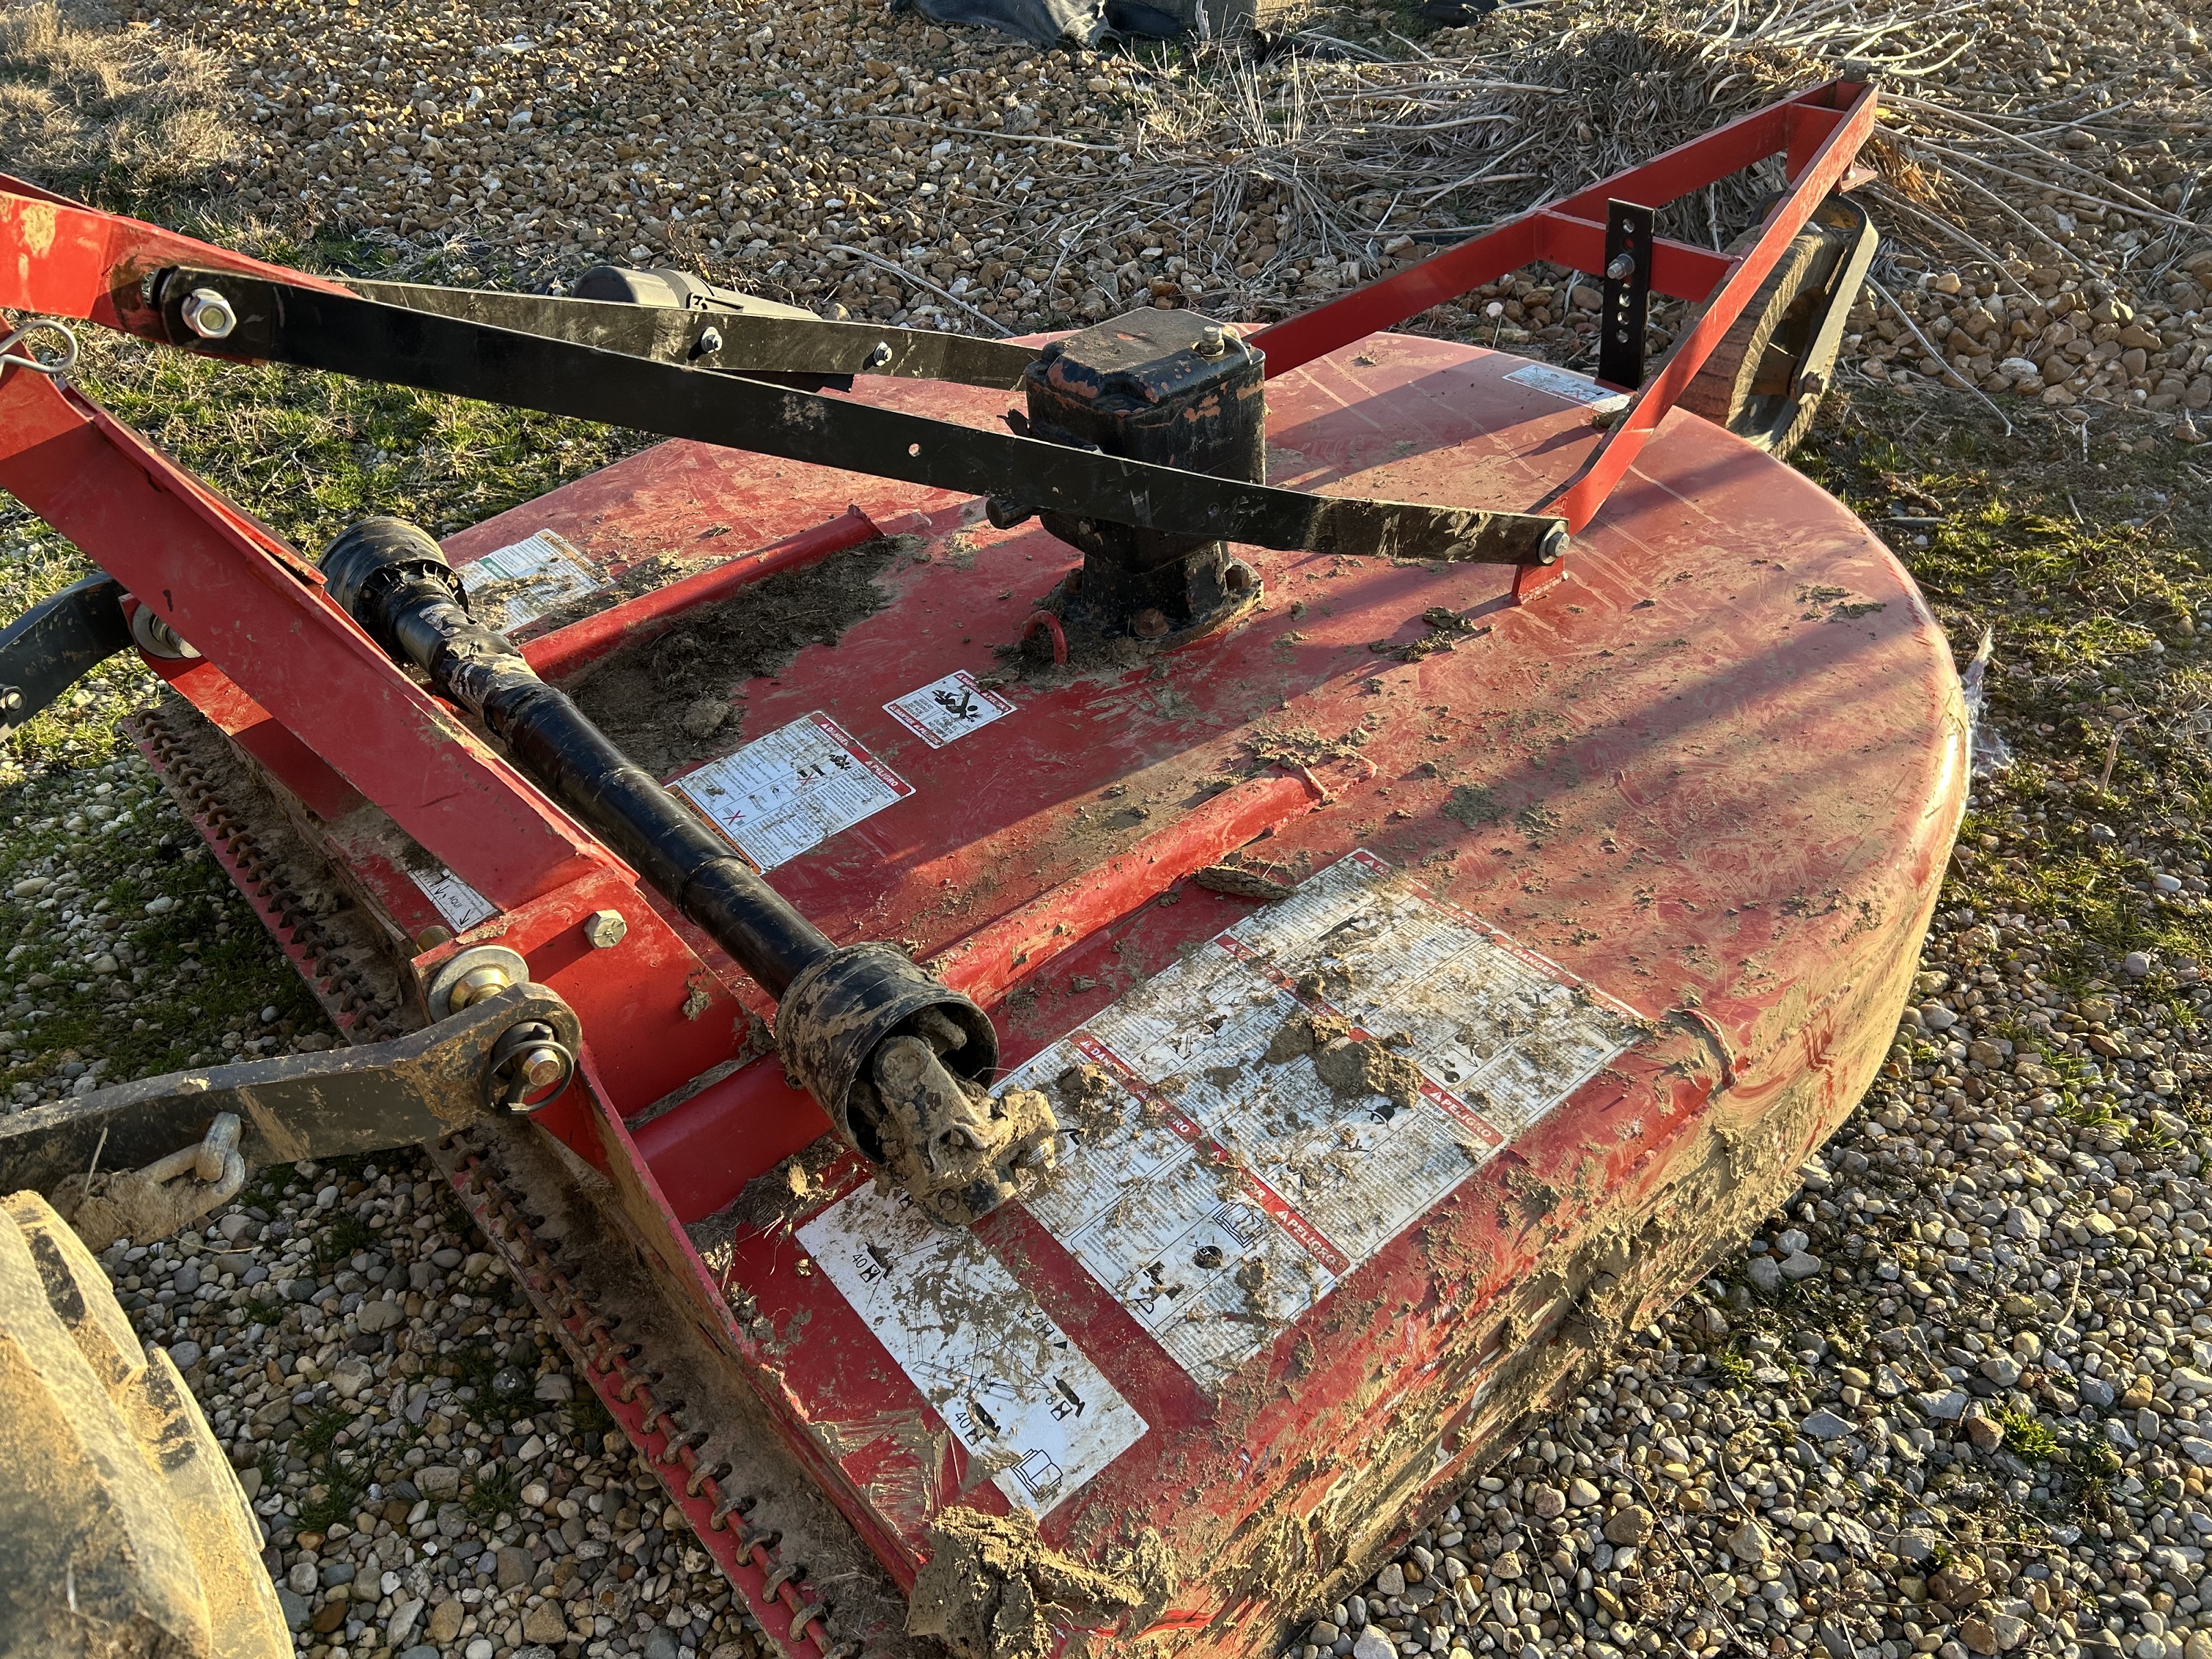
460, 904
1025, 1402
521, 583
791, 790
1575, 388
1253, 1122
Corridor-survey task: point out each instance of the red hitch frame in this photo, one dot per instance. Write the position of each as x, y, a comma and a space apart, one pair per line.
1818, 131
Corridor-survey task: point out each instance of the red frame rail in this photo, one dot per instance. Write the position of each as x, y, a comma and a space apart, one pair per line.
1818, 132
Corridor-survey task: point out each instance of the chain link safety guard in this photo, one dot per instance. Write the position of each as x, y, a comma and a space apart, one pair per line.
344, 334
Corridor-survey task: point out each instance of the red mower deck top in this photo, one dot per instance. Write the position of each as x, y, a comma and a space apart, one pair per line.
1430, 987
1431, 966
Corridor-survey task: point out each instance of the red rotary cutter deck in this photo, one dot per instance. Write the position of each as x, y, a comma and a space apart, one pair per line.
1430, 965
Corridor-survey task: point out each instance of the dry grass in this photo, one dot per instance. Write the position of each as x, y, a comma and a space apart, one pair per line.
1284, 177
120, 115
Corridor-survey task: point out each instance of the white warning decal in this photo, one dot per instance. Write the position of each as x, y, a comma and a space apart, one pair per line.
791, 790
947, 708
1253, 1122
460, 904
1575, 388
529, 579
1025, 1403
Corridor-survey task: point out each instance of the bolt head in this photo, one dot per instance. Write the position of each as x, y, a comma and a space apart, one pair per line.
1150, 624
1213, 340
604, 929
710, 342
476, 985
541, 1067
209, 314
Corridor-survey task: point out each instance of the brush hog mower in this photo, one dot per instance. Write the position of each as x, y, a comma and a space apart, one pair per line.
1326, 874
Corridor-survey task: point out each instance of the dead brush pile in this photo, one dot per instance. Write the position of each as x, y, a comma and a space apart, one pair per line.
2012, 150
1289, 179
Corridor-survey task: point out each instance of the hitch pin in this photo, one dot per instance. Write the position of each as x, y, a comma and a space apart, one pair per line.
10, 358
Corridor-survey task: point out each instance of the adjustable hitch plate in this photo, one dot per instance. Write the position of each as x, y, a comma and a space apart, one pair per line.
362, 1099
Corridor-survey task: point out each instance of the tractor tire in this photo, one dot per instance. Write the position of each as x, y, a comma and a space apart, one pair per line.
1764, 381
126, 1532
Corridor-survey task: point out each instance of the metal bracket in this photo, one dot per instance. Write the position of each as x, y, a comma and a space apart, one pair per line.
1626, 309
54, 644
363, 1099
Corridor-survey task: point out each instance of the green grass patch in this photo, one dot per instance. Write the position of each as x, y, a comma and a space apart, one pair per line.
346, 1234
319, 1432
2026, 1435
334, 1499
586, 1416
499, 1491
1730, 1367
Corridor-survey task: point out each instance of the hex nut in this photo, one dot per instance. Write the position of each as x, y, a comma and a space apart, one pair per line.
604, 929
208, 314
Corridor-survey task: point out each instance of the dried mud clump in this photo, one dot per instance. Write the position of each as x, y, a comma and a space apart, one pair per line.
1360, 1067
990, 1579
1088, 1098
1302, 1034
1238, 882
664, 699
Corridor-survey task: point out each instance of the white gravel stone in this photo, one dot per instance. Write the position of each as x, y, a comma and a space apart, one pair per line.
1749, 1544
1947, 1407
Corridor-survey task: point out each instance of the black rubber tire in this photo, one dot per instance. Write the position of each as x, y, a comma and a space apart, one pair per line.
1764, 381
126, 1532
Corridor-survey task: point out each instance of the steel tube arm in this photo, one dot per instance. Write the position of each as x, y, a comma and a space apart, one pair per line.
361, 1099
393, 580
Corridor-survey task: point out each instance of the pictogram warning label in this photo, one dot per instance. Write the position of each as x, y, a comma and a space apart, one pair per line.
947, 709
1025, 1402
791, 790
1223, 1166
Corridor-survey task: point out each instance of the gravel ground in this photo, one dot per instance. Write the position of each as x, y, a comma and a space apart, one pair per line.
1956, 1399
2043, 176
